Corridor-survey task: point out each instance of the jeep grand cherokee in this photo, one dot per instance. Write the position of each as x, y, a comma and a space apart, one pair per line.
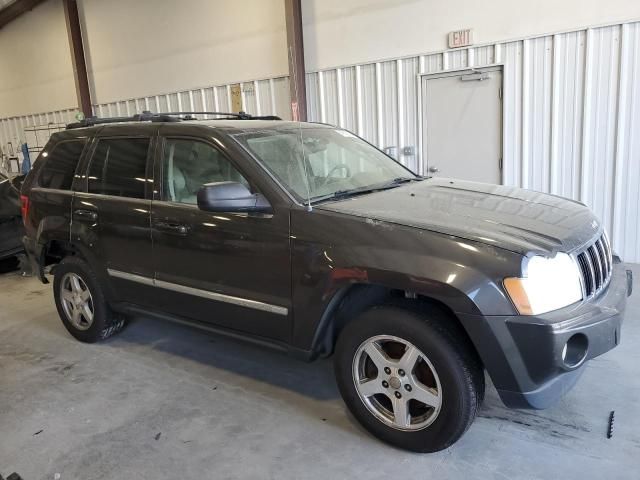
309, 239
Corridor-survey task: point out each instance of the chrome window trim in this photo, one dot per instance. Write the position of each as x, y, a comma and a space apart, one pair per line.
118, 198
219, 297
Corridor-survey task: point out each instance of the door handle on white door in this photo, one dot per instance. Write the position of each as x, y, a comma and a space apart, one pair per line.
434, 169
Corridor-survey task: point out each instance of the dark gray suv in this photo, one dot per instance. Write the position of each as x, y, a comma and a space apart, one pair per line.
307, 238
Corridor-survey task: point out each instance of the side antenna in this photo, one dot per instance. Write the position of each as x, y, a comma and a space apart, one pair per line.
297, 114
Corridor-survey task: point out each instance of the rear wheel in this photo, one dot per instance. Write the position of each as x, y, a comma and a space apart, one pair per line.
81, 303
408, 378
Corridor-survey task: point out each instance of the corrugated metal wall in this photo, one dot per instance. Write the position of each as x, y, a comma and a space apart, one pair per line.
571, 115
259, 97
270, 96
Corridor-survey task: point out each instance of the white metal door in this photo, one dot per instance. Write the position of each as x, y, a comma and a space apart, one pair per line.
462, 125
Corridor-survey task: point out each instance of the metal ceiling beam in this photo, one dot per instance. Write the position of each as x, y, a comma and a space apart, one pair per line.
295, 52
77, 57
15, 9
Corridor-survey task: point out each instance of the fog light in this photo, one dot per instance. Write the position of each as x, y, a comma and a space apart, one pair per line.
575, 350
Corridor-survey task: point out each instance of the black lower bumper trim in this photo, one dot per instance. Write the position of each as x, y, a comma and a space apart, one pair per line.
543, 397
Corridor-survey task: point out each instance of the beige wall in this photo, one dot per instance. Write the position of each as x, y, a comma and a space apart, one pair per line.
339, 32
138, 48
35, 64
144, 47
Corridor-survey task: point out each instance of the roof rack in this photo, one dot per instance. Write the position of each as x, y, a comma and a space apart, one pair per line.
147, 116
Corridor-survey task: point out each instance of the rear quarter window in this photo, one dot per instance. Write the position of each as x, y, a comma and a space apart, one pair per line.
61, 164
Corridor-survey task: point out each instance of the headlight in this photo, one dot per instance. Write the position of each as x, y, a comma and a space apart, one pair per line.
549, 284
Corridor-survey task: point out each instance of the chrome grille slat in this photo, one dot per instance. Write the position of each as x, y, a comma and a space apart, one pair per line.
596, 265
591, 272
609, 252
603, 259
597, 268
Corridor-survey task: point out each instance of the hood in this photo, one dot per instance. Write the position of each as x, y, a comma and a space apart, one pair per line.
512, 218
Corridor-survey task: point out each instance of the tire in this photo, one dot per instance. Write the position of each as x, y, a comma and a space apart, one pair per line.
435, 417
103, 323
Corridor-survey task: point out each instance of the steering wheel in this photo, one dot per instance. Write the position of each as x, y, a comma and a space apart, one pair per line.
342, 166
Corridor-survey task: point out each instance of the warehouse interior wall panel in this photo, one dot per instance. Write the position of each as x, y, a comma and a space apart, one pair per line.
626, 199
35, 64
571, 105
260, 97
339, 33
166, 46
571, 102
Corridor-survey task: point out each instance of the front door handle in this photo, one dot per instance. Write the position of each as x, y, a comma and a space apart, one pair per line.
89, 215
434, 169
169, 227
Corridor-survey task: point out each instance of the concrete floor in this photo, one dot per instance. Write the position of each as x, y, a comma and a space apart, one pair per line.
166, 401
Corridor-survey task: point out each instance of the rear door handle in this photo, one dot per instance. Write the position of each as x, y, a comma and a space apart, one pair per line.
169, 227
86, 215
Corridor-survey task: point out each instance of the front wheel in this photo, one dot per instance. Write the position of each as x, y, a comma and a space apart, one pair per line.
408, 378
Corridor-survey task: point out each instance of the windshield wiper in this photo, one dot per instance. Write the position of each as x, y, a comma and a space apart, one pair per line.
401, 180
339, 194
344, 194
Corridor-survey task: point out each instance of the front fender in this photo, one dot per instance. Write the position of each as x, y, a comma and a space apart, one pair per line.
465, 276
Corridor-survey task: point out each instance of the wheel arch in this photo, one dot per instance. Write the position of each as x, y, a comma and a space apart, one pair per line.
351, 300
53, 251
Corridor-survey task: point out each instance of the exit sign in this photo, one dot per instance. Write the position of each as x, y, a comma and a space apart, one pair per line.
461, 38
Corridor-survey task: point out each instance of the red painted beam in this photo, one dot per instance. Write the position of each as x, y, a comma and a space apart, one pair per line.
295, 52
77, 57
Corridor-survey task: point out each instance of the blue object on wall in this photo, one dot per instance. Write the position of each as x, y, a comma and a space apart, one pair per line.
26, 161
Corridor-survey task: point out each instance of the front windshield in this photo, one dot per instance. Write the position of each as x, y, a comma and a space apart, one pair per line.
327, 163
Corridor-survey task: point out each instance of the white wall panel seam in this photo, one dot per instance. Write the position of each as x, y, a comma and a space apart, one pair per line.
272, 96
400, 100
586, 112
379, 108
554, 173
621, 134
322, 99
340, 93
525, 154
359, 100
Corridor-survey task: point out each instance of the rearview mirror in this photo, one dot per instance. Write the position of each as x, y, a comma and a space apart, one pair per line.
231, 197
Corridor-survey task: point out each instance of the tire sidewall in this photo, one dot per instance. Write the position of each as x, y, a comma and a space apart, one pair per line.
459, 400
101, 314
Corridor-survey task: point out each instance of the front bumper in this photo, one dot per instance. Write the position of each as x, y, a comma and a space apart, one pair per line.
535, 360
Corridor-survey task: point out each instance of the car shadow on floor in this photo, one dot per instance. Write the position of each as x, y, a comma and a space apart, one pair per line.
186, 345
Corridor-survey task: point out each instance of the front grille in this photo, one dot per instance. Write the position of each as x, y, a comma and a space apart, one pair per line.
596, 264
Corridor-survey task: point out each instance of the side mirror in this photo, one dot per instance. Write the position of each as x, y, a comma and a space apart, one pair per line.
231, 197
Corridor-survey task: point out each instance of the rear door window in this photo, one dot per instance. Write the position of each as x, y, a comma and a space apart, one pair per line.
118, 167
60, 166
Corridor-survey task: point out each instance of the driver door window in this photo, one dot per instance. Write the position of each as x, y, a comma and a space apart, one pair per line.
187, 165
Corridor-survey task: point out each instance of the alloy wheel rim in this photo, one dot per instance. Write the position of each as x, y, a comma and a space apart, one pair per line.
397, 382
77, 301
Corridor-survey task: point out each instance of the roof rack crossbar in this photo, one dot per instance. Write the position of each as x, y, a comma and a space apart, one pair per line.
239, 115
147, 116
